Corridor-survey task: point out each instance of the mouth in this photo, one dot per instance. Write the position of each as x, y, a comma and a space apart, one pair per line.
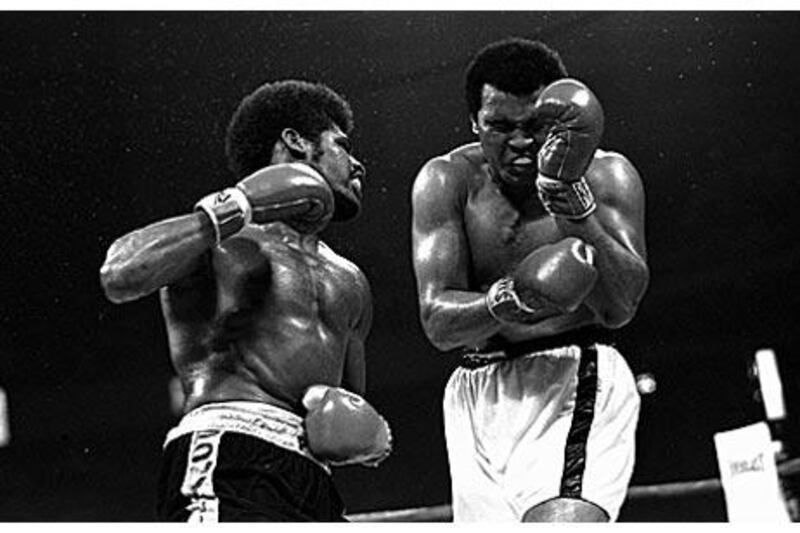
522, 161
356, 186
521, 165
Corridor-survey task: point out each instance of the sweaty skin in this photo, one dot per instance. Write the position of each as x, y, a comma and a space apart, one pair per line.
273, 313
264, 314
476, 215
467, 234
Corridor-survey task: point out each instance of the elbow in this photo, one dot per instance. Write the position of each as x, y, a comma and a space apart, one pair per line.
438, 334
617, 314
621, 310
438, 337
617, 318
116, 285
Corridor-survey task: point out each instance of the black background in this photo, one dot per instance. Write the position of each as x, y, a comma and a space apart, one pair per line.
112, 120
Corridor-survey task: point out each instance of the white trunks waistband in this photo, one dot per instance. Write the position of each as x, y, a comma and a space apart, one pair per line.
567, 344
260, 420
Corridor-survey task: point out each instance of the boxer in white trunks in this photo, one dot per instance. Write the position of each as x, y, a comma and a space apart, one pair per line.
529, 251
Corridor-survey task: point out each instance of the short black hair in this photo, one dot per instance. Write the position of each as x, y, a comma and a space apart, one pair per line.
513, 65
310, 108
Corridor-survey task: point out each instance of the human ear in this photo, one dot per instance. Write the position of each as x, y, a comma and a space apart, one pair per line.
297, 145
474, 126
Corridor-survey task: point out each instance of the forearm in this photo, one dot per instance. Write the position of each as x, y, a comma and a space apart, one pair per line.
453, 318
551, 280
144, 260
457, 319
623, 274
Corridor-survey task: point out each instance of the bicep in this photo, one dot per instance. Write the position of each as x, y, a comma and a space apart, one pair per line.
621, 206
440, 250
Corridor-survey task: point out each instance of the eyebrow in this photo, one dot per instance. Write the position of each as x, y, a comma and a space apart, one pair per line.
531, 123
344, 141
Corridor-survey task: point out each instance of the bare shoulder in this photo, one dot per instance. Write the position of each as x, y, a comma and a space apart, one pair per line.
612, 174
344, 265
449, 174
452, 166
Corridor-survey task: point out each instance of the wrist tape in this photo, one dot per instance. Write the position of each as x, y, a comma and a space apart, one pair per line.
573, 200
505, 305
228, 209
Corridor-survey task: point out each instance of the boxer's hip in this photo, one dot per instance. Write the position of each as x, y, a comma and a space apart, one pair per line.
256, 419
243, 461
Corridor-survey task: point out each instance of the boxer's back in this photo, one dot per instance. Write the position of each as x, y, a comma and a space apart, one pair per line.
271, 317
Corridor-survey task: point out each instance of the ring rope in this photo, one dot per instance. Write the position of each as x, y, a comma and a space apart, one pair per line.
444, 513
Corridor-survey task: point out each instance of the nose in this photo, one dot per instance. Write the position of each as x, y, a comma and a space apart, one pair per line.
521, 139
357, 169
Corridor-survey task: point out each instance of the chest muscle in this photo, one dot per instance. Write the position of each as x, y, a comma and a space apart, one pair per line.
500, 236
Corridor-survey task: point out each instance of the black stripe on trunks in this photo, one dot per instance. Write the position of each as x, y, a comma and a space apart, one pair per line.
575, 450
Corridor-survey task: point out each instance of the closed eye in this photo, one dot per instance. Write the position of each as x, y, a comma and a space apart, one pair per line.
345, 144
500, 126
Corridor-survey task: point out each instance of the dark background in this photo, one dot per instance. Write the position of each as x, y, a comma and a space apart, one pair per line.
113, 120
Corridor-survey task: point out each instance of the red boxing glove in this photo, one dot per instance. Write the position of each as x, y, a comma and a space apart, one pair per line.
291, 192
552, 279
576, 120
343, 429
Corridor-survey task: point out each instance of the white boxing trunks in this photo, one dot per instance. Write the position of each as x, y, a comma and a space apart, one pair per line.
558, 422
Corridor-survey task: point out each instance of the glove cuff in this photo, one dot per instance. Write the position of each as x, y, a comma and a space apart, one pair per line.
505, 305
573, 200
229, 211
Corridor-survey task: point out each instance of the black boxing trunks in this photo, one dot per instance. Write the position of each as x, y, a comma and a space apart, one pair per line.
243, 462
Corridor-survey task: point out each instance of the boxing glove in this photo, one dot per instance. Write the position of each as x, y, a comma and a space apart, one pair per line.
343, 429
292, 192
576, 126
552, 279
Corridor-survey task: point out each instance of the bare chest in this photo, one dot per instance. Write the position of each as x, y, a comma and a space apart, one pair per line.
500, 235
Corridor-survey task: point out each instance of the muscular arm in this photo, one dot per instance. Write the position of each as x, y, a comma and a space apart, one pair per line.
146, 259
616, 230
162, 253
354, 376
451, 314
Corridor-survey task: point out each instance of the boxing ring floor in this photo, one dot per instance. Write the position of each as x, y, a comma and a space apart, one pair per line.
652, 495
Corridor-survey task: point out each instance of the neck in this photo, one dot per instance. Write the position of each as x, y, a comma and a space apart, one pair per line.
522, 196
293, 237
